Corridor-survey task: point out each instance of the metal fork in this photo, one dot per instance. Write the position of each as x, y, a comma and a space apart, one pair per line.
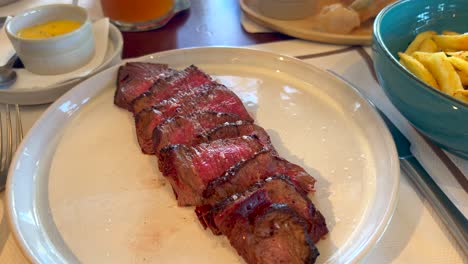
9, 141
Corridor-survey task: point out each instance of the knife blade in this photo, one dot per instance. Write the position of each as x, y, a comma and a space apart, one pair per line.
2, 21
455, 222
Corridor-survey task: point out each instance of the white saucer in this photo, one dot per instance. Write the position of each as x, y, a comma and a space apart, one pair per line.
42, 95
303, 28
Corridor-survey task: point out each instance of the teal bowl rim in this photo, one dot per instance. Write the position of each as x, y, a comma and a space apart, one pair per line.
377, 36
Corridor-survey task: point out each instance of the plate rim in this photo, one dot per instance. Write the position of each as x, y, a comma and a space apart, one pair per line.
324, 37
394, 162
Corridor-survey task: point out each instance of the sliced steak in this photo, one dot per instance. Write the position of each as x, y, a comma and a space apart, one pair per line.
190, 169
135, 78
266, 232
218, 99
279, 189
164, 89
237, 129
246, 173
187, 129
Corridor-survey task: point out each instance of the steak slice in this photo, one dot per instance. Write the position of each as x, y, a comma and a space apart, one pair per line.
218, 99
186, 129
266, 232
279, 189
190, 169
246, 173
164, 89
135, 78
237, 129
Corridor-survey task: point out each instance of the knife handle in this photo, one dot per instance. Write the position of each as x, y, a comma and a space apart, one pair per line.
453, 219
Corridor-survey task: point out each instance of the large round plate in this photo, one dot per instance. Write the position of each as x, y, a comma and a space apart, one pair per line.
80, 190
304, 28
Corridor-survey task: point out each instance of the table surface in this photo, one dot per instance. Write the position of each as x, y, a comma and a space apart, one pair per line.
206, 23
217, 23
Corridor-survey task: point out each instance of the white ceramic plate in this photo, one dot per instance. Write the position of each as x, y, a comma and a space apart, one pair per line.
5, 2
42, 95
80, 190
303, 28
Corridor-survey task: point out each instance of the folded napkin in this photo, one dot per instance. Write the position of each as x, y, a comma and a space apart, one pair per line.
93, 6
27, 80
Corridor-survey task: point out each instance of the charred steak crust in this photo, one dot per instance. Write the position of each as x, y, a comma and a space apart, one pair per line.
190, 169
266, 232
187, 129
163, 89
135, 78
280, 189
246, 173
237, 129
213, 97
216, 159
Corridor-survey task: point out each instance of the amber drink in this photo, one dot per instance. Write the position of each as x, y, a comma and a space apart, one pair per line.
138, 15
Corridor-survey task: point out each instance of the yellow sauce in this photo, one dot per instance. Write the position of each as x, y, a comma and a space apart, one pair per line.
48, 29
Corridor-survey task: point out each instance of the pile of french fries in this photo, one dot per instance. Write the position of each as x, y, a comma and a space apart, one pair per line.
441, 61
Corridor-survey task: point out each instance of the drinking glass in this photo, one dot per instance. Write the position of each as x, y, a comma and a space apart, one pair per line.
138, 15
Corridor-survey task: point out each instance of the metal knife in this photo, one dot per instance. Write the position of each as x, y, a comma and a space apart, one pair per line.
453, 219
2, 21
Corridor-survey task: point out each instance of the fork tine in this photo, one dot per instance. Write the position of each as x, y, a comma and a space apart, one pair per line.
9, 134
19, 125
2, 143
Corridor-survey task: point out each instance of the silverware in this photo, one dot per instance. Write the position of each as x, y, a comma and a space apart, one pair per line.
7, 74
454, 220
2, 21
9, 141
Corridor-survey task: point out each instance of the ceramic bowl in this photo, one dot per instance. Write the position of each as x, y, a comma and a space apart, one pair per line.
55, 55
438, 116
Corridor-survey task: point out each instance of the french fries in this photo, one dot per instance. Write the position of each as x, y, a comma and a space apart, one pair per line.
463, 77
441, 61
418, 40
428, 45
448, 32
418, 69
444, 73
451, 42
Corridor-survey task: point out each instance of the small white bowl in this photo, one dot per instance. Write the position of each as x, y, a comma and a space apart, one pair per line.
55, 55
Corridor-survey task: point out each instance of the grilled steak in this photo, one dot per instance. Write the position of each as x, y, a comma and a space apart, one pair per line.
164, 89
135, 78
279, 189
266, 232
190, 169
217, 98
186, 129
242, 175
237, 129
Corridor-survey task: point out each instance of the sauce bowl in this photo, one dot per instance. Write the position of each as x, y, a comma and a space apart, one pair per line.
58, 54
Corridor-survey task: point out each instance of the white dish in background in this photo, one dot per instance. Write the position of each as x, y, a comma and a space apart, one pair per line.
80, 190
35, 95
6, 2
304, 28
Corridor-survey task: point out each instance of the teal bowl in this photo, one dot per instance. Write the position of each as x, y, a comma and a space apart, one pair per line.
440, 117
